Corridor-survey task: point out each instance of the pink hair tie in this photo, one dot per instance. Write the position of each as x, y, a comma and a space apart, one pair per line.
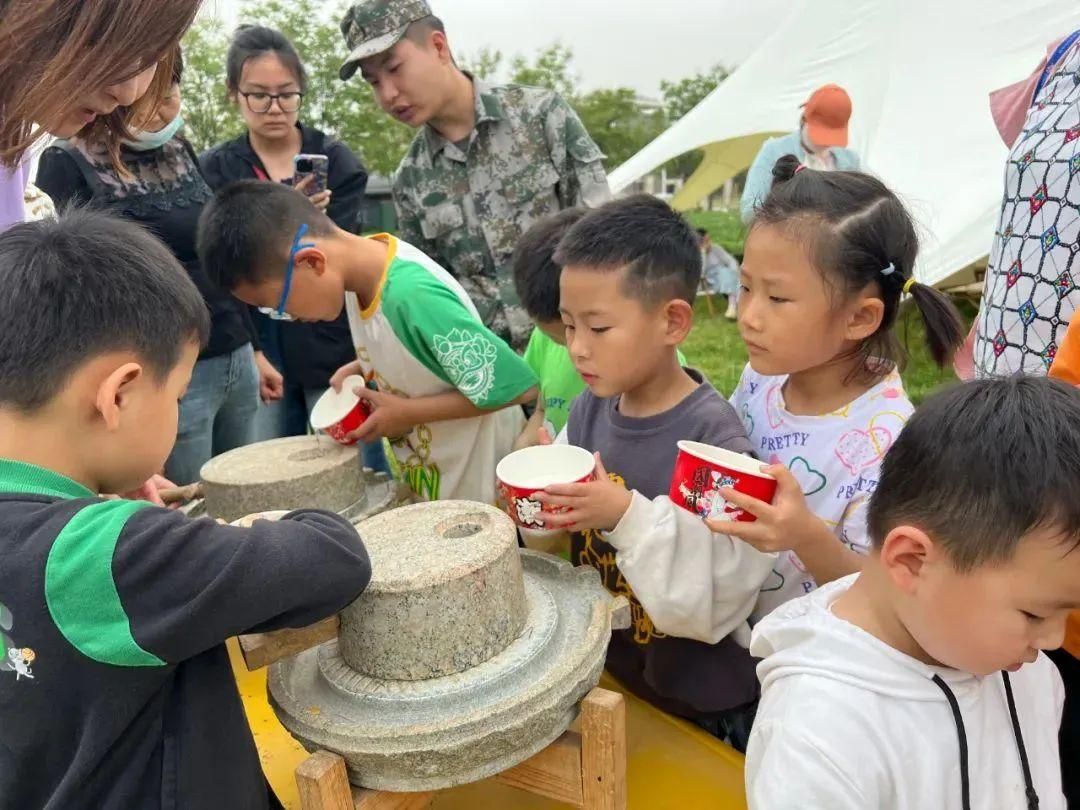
800, 167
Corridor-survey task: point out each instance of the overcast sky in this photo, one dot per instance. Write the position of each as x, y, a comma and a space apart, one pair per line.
634, 43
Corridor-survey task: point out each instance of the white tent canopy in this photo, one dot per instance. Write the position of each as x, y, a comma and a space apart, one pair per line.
919, 73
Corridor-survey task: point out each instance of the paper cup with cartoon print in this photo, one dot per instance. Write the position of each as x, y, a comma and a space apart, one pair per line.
339, 413
702, 470
523, 474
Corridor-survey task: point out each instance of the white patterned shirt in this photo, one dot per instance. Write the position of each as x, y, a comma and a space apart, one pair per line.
422, 336
836, 458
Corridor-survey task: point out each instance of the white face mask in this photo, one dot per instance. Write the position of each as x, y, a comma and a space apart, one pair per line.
147, 141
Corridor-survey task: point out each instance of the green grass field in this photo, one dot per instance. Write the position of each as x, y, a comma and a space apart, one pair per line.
714, 347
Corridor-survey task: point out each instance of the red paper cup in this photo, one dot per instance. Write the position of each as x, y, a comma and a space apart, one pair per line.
339, 413
521, 475
702, 470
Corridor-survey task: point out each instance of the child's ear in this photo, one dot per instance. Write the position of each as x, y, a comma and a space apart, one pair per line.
113, 393
904, 554
865, 317
311, 259
680, 319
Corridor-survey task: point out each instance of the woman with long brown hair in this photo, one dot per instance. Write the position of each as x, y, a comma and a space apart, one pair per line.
163, 190
70, 66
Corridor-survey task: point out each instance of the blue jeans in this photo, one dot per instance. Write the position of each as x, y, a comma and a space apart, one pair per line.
290, 415
216, 413
287, 416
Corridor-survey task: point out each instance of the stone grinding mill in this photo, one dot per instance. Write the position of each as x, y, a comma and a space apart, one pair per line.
464, 657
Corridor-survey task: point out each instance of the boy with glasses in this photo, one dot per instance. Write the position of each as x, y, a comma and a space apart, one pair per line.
447, 386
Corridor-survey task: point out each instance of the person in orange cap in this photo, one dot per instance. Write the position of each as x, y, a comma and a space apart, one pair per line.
820, 142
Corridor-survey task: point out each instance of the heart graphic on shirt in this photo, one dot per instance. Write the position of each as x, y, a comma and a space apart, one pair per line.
811, 481
774, 582
748, 420
774, 408
859, 449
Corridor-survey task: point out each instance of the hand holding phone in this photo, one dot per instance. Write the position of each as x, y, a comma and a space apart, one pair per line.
316, 167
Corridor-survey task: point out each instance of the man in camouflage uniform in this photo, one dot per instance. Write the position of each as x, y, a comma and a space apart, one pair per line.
488, 163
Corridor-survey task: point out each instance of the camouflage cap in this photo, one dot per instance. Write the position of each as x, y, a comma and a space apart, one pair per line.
375, 26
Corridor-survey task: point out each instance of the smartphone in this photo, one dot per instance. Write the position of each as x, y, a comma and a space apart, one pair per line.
307, 165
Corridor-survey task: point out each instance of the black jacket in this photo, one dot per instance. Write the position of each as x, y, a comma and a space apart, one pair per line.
116, 691
168, 207
308, 353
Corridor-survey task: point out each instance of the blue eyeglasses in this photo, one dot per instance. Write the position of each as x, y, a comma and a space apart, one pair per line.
280, 314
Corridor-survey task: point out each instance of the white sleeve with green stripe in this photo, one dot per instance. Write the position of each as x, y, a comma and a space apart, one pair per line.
433, 323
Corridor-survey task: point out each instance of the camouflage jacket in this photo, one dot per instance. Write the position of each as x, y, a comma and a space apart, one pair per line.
528, 157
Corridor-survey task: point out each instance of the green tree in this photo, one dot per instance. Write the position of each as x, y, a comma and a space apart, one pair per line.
208, 117
346, 110
550, 68
680, 98
619, 123
484, 65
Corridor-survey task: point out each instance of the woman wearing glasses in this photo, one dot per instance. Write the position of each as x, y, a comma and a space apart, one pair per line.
266, 80
159, 186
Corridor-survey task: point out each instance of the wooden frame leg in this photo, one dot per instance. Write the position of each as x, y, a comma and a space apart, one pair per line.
586, 770
324, 783
603, 750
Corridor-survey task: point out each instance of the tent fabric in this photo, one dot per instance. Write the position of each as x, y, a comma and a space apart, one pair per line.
920, 73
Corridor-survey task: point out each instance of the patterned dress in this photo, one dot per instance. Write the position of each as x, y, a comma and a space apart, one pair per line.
1031, 289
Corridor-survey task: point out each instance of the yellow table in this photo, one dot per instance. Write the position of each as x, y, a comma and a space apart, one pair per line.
672, 764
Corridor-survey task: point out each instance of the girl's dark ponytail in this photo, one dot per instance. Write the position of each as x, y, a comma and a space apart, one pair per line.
785, 169
860, 235
944, 325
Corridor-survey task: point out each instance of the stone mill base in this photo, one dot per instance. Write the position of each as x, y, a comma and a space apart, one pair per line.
438, 733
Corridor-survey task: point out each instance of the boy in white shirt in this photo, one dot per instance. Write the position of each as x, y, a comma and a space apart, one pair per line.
448, 387
920, 682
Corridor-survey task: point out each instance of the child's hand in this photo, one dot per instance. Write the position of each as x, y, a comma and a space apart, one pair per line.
391, 416
271, 383
786, 524
598, 504
543, 437
149, 491
347, 370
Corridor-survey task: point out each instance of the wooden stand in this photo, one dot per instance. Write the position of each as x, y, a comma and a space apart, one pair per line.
585, 769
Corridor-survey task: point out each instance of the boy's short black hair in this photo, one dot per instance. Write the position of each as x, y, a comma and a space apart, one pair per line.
983, 464
246, 230
658, 248
80, 286
536, 275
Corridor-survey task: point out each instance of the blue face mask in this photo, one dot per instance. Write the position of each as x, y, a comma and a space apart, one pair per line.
146, 141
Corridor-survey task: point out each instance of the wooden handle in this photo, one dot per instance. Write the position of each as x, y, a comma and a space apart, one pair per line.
263, 649
181, 494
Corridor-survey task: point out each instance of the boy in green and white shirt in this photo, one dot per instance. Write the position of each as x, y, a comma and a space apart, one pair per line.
447, 387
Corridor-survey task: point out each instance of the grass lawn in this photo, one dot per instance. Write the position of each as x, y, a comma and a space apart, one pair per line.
714, 347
